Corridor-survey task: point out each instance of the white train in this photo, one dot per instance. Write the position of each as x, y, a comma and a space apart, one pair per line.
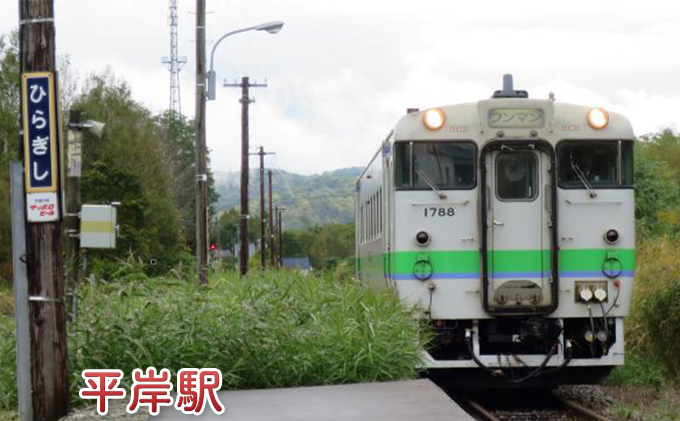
510, 224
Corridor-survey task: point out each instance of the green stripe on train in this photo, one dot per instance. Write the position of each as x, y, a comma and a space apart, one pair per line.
504, 260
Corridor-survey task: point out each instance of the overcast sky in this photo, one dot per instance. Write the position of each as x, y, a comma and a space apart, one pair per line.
341, 73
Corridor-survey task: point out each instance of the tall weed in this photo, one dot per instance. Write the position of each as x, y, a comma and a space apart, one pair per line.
8, 378
654, 325
267, 330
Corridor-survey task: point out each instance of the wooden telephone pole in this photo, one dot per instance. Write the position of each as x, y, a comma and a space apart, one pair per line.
272, 250
263, 220
201, 152
279, 221
245, 100
44, 265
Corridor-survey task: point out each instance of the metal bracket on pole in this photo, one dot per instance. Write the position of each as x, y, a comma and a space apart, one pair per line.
42, 299
23, 335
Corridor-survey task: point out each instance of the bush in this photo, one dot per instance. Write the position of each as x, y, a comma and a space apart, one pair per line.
268, 330
8, 378
640, 370
655, 314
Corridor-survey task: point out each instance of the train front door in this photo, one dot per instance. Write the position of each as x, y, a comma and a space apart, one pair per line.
518, 245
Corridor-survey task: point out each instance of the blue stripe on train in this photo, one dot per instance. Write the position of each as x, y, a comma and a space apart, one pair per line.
510, 275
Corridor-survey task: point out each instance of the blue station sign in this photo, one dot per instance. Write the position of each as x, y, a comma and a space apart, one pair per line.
40, 132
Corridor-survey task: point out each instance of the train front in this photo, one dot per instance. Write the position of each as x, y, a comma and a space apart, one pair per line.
514, 232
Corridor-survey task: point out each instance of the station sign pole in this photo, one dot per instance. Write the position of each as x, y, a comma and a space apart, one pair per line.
42, 187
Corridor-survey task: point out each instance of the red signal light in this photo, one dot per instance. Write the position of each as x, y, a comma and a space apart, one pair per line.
213, 247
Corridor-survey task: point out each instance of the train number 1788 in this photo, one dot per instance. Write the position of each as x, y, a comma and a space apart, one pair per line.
434, 212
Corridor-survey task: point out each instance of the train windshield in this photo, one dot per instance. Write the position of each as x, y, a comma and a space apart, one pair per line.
446, 165
595, 164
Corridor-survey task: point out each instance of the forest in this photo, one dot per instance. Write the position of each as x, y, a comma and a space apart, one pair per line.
143, 160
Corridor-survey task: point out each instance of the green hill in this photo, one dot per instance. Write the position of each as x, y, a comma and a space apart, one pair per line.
309, 200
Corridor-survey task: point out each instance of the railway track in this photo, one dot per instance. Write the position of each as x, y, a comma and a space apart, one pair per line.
545, 407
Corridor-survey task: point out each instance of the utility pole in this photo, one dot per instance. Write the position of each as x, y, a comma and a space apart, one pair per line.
201, 152
263, 221
245, 100
272, 250
44, 264
73, 198
279, 211
275, 234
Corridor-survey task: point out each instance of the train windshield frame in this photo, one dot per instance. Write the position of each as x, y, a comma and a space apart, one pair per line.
448, 165
597, 164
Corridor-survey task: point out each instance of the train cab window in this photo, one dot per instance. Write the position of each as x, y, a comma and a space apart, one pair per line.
447, 165
517, 176
595, 164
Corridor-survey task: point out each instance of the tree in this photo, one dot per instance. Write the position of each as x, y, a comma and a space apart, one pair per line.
127, 165
657, 184
9, 132
178, 140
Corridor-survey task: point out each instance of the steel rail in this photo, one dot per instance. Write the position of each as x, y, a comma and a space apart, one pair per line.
581, 410
481, 411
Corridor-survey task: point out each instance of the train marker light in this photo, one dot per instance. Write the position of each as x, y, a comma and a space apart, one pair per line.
434, 119
422, 238
611, 236
597, 118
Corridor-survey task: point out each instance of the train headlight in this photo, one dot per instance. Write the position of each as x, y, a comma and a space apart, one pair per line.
434, 119
598, 118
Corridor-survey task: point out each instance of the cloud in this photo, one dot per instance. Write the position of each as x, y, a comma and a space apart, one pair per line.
341, 73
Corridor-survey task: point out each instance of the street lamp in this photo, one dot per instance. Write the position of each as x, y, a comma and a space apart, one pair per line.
76, 127
271, 27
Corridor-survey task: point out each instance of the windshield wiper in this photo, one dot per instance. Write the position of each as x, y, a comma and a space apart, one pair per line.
434, 188
582, 178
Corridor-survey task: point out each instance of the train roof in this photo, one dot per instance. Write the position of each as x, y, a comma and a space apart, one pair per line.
470, 121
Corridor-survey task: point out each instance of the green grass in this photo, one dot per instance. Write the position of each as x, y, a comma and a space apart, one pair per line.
6, 299
268, 330
8, 392
639, 370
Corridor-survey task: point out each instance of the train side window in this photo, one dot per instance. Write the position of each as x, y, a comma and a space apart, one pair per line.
402, 164
371, 218
380, 211
602, 164
361, 226
360, 219
627, 170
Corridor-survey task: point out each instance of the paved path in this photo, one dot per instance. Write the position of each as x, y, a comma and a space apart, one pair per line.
413, 400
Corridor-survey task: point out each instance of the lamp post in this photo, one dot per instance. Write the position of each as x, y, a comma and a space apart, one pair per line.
206, 89
73, 177
271, 27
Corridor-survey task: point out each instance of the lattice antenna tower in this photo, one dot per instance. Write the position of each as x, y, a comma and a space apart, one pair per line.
175, 62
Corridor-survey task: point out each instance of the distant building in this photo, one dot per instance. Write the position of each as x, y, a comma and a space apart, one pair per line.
227, 253
299, 263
